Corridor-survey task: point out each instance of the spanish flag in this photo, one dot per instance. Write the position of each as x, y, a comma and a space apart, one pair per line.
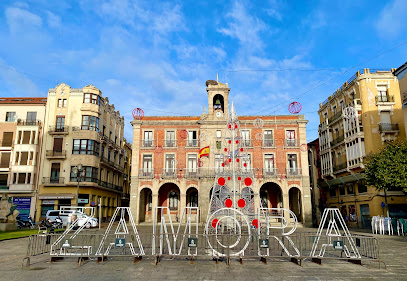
204, 152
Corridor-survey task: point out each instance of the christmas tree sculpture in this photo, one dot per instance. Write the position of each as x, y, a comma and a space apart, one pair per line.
232, 204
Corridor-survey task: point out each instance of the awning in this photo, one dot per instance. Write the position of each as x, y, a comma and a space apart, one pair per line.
56, 196
342, 180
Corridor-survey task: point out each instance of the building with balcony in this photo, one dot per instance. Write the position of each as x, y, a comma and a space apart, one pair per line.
167, 170
358, 119
81, 129
21, 136
401, 76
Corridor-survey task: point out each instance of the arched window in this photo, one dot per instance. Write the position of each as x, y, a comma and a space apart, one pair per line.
193, 199
173, 200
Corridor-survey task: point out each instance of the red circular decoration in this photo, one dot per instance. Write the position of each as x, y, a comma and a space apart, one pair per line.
228, 203
229, 141
138, 113
215, 223
237, 141
223, 164
235, 126
230, 160
183, 134
228, 178
237, 160
245, 164
226, 149
239, 178
221, 181
294, 107
248, 181
158, 149
255, 223
230, 126
241, 149
304, 147
241, 203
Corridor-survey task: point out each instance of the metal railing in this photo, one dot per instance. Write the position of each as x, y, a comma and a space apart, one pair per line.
293, 172
192, 142
388, 127
147, 143
55, 153
28, 122
290, 143
386, 98
170, 143
337, 140
335, 117
51, 180
146, 173
191, 173
58, 129
109, 185
169, 172
268, 142
270, 172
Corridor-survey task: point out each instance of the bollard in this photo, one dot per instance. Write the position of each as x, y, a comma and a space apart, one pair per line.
26, 262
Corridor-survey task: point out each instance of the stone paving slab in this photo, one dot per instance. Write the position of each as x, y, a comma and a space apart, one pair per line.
393, 252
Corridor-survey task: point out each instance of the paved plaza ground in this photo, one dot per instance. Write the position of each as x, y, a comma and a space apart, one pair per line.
393, 251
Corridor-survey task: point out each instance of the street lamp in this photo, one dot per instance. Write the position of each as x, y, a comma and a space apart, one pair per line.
78, 170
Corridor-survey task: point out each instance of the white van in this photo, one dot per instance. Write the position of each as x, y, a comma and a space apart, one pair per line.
53, 214
66, 214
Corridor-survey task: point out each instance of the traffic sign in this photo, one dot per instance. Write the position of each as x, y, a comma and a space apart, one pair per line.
263, 243
120, 242
93, 203
338, 245
192, 242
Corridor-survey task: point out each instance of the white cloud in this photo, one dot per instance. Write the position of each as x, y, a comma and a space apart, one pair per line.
53, 20
244, 27
315, 20
20, 20
274, 10
392, 19
168, 20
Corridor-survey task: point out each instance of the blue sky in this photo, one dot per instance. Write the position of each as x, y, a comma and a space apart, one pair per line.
157, 55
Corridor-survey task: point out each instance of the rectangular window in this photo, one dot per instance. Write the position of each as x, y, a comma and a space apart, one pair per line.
21, 178
59, 102
218, 145
91, 98
31, 118
218, 162
350, 189
26, 137
362, 188
268, 138
90, 123
292, 164
90, 147
148, 139
170, 139
7, 139
10, 116
24, 158
17, 158
269, 163
5, 160
64, 103
147, 165
290, 138
55, 170
341, 190
60, 122
218, 133
192, 138
192, 164
89, 174
245, 134
170, 163
382, 94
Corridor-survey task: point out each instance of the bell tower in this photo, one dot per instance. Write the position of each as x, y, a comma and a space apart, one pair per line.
218, 100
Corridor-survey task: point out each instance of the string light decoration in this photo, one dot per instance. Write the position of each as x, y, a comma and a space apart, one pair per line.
294, 107
137, 113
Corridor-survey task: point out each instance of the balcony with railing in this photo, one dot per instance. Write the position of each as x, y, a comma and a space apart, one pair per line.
146, 173
169, 173
290, 143
28, 122
191, 173
268, 143
109, 185
270, 172
191, 143
147, 143
53, 180
58, 130
247, 142
55, 154
340, 167
388, 127
384, 99
170, 143
335, 117
337, 140
107, 161
293, 172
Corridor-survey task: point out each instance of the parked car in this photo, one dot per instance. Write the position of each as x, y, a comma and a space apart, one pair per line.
92, 222
66, 217
54, 214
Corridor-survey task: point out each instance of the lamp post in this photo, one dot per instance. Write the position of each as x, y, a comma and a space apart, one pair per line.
78, 170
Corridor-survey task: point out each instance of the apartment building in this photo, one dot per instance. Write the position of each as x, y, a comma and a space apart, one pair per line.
401, 76
21, 133
359, 118
83, 152
167, 170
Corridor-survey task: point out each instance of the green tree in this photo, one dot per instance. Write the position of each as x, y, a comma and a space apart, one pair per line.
387, 168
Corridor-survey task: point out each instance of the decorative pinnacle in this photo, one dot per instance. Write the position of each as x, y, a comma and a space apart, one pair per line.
232, 114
